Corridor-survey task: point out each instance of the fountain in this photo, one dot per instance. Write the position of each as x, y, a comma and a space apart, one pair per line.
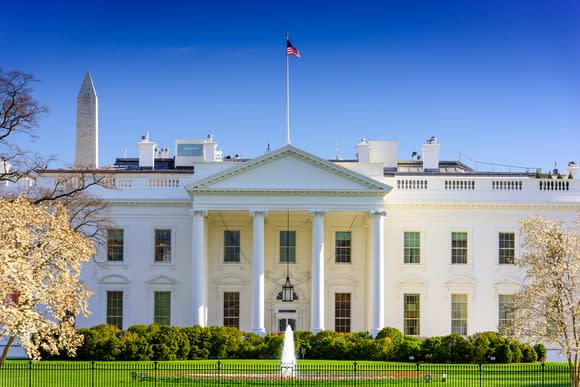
288, 360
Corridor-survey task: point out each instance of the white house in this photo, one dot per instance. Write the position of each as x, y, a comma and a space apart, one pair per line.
423, 245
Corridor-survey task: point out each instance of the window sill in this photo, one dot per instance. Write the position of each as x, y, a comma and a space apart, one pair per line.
116, 264
156, 265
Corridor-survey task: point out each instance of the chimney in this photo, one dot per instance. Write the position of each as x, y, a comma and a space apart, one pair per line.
209, 149
146, 153
363, 151
572, 169
431, 155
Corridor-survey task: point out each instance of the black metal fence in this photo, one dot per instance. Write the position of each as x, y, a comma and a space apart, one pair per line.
218, 373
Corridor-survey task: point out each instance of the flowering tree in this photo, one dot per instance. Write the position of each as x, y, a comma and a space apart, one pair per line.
548, 307
40, 290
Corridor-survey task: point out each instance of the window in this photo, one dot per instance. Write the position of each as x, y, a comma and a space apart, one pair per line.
232, 309
115, 239
506, 248
189, 149
231, 246
115, 308
459, 314
288, 246
412, 249
342, 247
412, 312
342, 312
458, 247
506, 307
162, 245
162, 308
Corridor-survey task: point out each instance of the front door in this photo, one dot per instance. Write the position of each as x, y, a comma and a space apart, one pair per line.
286, 317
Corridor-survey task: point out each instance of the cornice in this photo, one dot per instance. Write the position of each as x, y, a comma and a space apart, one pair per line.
286, 192
149, 203
482, 205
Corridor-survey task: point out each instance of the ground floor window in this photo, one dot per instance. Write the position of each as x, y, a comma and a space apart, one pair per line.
115, 308
162, 308
459, 314
411, 316
232, 309
506, 304
342, 312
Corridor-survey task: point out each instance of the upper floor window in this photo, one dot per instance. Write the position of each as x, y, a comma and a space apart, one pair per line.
412, 247
288, 246
115, 242
506, 248
458, 247
162, 245
231, 246
342, 246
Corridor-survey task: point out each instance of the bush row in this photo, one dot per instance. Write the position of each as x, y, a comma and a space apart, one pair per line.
159, 342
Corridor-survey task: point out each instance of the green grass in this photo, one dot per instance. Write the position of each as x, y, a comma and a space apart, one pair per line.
266, 372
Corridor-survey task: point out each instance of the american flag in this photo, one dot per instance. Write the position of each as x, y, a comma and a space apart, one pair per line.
291, 50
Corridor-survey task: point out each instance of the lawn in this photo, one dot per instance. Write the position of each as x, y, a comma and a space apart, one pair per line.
267, 372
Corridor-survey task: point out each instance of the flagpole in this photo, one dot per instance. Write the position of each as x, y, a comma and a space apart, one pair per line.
287, 95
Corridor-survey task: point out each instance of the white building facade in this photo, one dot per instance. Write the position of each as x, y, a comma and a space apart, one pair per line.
422, 245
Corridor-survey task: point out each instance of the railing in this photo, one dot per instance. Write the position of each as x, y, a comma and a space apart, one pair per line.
161, 182
412, 184
554, 185
506, 185
459, 185
240, 373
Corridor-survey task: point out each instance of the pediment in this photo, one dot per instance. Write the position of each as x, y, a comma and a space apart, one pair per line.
413, 282
460, 281
161, 280
508, 283
114, 279
289, 169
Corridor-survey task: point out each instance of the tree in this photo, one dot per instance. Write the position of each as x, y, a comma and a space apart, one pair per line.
40, 263
548, 307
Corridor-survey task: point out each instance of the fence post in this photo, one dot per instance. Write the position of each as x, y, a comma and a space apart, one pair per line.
93, 373
155, 372
219, 363
354, 368
29, 373
480, 374
418, 377
543, 374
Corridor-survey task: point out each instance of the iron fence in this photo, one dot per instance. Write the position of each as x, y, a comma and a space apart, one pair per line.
228, 373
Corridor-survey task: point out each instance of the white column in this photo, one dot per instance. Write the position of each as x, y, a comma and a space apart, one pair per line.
378, 273
198, 274
258, 273
317, 279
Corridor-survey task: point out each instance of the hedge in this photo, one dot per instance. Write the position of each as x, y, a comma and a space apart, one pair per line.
159, 342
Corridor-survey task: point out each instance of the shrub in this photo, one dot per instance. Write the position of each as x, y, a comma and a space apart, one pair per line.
410, 346
503, 353
134, 346
303, 343
360, 346
327, 345
516, 352
393, 333
253, 347
428, 348
101, 342
224, 343
528, 354
385, 349
484, 345
540, 352
273, 346
453, 349
168, 343
199, 342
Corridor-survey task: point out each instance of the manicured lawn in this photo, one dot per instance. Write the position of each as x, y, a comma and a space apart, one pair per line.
267, 372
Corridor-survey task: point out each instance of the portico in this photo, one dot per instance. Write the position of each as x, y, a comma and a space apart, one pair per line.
312, 205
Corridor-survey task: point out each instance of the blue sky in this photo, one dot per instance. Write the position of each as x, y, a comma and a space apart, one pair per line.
498, 81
